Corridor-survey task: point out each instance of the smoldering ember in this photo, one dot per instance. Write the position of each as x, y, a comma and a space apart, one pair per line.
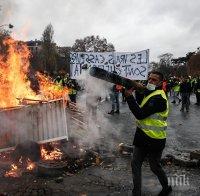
57, 136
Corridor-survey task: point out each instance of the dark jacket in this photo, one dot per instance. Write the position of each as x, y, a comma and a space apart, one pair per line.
197, 86
154, 105
185, 87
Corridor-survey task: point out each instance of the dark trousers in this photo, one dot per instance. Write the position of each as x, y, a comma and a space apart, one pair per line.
115, 100
185, 100
154, 158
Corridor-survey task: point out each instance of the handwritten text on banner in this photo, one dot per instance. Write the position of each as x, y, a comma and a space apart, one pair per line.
130, 65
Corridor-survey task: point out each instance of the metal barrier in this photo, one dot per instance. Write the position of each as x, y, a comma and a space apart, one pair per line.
41, 122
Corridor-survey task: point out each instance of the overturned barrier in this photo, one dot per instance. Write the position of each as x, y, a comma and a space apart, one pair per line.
41, 122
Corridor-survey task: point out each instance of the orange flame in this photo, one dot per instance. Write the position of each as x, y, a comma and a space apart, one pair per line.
49, 90
15, 85
17, 169
30, 165
56, 154
13, 69
14, 172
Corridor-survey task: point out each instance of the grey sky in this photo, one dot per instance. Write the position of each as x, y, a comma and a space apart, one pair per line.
162, 26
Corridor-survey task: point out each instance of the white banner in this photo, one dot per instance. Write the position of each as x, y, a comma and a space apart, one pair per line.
129, 65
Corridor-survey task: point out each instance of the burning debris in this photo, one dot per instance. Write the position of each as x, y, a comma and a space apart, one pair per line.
14, 172
39, 116
17, 169
55, 159
46, 112
15, 85
28, 153
56, 154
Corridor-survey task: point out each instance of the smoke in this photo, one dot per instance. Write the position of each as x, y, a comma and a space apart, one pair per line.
93, 96
14, 126
6, 10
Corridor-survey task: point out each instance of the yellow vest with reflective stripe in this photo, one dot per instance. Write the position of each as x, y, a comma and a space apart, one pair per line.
176, 88
72, 91
155, 125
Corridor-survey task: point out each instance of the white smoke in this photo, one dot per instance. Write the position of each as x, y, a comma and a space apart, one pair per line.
92, 98
15, 125
6, 10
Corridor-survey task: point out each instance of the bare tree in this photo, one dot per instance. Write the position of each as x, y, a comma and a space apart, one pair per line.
153, 66
165, 59
48, 52
165, 63
193, 64
92, 44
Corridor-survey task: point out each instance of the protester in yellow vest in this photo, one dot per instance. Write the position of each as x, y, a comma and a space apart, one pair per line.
151, 108
176, 90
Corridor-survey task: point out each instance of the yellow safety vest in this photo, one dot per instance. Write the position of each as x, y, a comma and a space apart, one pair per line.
176, 88
155, 125
72, 91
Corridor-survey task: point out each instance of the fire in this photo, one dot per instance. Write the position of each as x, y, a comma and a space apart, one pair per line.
14, 171
13, 73
15, 86
49, 90
30, 165
55, 154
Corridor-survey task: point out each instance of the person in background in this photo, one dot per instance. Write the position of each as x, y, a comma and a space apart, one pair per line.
151, 110
164, 86
197, 91
58, 80
123, 95
114, 96
176, 90
185, 90
72, 91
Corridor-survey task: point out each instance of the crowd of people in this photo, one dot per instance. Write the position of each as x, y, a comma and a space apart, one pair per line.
178, 88
181, 88
150, 107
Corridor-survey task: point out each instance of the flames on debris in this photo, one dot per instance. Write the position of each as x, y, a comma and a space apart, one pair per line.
16, 169
15, 86
16, 91
51, 157
25, 163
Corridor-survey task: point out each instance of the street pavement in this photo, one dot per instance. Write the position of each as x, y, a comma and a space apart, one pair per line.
113, 176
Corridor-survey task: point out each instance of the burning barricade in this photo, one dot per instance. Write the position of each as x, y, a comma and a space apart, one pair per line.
48, 160
25, 114
30, 120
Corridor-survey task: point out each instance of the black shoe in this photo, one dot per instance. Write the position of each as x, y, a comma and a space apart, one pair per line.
165, 191
111, 112
117, 111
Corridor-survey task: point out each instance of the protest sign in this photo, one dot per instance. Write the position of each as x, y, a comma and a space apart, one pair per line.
129, 65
